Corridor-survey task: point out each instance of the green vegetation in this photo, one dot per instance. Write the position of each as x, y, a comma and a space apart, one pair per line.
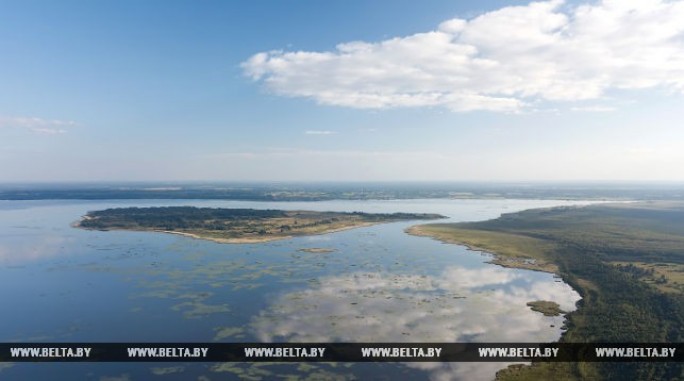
667, 277
546, 307
316, 250
163, 371
510, 250
606, 253
235, 225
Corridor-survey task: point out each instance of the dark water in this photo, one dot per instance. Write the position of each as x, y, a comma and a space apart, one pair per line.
61, 284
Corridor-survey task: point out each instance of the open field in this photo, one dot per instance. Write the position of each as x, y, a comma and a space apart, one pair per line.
509, 250
667, 277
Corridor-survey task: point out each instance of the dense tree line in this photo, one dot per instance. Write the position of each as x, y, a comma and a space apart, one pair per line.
620, 309
218, 219
173, 218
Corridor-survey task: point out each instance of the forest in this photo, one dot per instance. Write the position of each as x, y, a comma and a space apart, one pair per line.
601, 251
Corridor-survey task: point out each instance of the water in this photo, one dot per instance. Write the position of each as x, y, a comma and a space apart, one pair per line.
61, 284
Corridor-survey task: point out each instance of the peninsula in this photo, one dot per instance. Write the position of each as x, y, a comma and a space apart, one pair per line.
236, 225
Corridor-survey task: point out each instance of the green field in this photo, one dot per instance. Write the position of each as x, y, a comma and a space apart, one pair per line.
626, 261
510, 250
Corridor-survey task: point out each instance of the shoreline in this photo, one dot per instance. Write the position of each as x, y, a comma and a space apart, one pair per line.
235, 240
497, 258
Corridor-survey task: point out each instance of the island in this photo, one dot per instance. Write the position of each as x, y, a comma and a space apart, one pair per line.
236, 225
317, 250
546, 307
626, 260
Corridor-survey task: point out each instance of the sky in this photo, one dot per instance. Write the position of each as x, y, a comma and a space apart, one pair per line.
341, 90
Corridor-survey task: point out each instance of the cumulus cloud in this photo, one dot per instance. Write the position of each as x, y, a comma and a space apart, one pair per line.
502, 60
39, 125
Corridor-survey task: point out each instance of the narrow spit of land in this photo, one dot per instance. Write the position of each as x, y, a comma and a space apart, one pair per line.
236, 225
625, 260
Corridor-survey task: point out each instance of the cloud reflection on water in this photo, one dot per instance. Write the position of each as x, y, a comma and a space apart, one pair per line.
460, 304
18, 252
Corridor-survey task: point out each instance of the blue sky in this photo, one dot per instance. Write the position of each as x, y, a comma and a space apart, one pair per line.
341, 90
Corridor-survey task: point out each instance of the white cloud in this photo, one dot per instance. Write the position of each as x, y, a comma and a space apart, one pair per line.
593, 109
36, 249
39, 125
319, 132
499, 61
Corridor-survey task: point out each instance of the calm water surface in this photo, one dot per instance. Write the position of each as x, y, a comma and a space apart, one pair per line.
61, 284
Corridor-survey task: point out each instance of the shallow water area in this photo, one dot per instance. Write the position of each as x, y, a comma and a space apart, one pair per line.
371, 284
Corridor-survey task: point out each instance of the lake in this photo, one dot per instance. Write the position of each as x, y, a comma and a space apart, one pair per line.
378, 284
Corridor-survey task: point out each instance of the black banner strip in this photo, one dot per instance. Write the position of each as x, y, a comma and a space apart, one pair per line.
341, 352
